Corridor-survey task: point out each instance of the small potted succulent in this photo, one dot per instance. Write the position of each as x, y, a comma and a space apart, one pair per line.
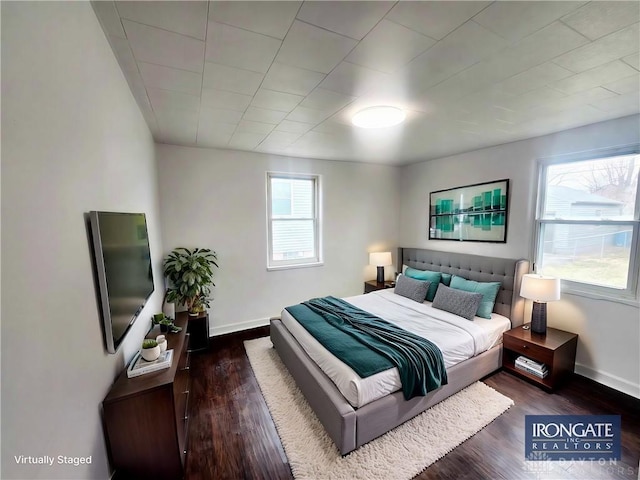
150, 350
165, 322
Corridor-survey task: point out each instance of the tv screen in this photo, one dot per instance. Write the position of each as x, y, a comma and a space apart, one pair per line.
123, 267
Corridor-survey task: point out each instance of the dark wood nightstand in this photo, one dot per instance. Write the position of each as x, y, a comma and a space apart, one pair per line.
556, 349
372, 285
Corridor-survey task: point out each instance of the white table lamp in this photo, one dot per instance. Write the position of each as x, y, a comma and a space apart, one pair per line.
380, 260
541, 289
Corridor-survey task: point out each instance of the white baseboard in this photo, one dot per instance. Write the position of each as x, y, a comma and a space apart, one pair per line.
609, 380
237, 327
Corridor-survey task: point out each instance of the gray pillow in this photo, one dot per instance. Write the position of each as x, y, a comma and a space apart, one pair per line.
458, 302
411, 288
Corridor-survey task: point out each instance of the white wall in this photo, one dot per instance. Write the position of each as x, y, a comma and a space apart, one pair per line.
73, 140
216, 199
609, 343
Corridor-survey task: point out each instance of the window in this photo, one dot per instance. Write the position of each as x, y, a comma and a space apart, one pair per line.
293, 216
587, 223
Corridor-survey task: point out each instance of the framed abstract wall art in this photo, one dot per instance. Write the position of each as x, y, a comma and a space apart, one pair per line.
474, 213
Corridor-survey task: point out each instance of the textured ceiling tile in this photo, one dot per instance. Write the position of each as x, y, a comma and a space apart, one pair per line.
388, 47
534, 78
351, 79
240, 48
226, 100
597, 19
434, 19
290, 126
268, 18
626, 85
270, 99
279, 140
172, 100
313, 48
594, 77
466, 46
254, 127
224, 77
516, 20
169, 78
308, 115
246, 140
633, 60
264, 115
219, 115
326, 99
153, 45
289, 79
613, 46
187, 17
623, 104
352, 19
214, 134
533, 99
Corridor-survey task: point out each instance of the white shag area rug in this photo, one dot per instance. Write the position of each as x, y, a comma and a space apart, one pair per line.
400, 454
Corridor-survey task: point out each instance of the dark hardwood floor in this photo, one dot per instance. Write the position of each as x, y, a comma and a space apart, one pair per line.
232, 436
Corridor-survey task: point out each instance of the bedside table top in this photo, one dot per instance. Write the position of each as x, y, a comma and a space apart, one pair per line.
553, 339
386, 284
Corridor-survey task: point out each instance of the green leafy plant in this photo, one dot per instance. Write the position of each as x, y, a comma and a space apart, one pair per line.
190, 274
149, 343
162, 319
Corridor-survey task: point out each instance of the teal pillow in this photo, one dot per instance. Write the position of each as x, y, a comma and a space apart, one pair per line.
446, 278
426, 275
489, 291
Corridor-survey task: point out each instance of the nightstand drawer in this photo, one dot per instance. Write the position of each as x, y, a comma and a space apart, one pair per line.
530, 350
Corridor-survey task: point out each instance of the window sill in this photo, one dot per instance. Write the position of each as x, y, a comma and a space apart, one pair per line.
295, 265
625, 300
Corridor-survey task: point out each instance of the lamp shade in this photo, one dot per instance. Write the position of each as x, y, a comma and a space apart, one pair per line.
540, 288
380, 259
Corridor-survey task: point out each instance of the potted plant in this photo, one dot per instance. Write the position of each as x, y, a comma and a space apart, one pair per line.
165, 322
150, 350
190, 274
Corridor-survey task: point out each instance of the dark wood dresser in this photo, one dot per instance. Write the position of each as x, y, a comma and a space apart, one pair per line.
146, 417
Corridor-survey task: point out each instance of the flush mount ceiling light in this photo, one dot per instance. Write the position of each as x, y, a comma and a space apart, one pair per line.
378, 117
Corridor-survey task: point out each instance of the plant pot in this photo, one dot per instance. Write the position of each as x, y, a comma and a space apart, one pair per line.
162, 343
151, 354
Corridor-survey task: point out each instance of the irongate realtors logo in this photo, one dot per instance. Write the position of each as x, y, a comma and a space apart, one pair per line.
572, 437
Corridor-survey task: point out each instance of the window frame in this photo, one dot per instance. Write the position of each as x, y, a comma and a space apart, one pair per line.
629, 295
317, 259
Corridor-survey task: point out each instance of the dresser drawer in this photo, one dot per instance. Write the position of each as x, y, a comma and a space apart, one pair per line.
530, 350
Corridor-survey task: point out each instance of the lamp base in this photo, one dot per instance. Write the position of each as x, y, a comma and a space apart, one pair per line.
380, 277
539, 318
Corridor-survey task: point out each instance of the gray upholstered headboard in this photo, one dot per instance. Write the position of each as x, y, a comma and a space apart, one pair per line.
474, 267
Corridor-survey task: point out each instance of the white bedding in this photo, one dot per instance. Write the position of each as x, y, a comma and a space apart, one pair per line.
457, 338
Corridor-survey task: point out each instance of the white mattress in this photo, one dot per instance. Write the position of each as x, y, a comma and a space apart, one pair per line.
457, 338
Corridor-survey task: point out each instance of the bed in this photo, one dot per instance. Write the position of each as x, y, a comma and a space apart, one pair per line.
352, 426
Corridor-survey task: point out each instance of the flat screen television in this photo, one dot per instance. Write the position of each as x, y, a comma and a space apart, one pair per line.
123, 269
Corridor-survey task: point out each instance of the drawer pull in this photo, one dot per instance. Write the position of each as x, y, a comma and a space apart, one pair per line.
186, 392
186, 417
185, 368
525, 347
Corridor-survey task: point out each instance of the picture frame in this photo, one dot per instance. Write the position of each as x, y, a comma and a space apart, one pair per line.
472, 213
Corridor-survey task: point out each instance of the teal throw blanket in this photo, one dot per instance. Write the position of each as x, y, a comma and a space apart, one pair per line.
369, 344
